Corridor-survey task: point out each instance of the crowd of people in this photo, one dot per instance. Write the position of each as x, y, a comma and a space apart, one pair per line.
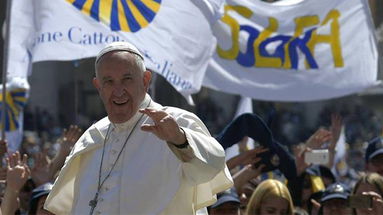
28, 175
333, 187
338, 187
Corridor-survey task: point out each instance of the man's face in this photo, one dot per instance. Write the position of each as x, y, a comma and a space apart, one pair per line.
121, 85
376, 164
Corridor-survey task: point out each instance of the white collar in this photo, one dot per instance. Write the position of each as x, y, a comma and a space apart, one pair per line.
119, 127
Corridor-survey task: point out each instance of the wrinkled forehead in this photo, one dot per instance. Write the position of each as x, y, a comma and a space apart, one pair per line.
117, 61
119, 47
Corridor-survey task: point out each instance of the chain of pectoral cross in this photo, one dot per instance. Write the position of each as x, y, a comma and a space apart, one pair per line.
94, 201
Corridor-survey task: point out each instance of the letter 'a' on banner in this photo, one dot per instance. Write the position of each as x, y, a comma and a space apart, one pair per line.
294, 50
174, 36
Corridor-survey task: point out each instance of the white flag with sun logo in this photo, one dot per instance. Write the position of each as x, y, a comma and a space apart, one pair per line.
174, 35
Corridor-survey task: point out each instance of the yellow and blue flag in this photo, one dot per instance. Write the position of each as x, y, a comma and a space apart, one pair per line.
15, 100
128, 16
16, 97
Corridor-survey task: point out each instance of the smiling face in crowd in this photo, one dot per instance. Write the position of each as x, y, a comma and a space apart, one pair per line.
121, 85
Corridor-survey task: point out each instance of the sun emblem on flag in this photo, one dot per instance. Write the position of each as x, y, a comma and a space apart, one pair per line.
120, 15
15, 100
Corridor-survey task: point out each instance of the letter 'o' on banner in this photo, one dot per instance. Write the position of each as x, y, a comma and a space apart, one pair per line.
124, 15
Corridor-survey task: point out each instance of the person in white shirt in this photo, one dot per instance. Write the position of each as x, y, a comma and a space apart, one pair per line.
142, 158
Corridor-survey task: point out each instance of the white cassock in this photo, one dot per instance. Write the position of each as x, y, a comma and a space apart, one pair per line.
150, 177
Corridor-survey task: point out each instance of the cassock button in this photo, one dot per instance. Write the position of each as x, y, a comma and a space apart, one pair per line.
98, 212
106, 188
114, 151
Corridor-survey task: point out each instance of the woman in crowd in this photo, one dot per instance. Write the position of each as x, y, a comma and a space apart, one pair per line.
271, 197
369, 186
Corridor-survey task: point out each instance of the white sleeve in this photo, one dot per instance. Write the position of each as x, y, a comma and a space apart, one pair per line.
204, 158
204, 165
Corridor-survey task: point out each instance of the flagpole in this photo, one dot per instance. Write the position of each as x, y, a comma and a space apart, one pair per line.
5, 65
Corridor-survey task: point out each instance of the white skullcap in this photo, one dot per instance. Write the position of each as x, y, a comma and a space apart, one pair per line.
119, 46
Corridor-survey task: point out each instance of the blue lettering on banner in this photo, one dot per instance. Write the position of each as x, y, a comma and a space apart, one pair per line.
76, 35
165, 69
73, 33
248, 59
279, 52
47, 37
79, 36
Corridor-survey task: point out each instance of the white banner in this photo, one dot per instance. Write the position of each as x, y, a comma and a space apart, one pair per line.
174, 35
309, 50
